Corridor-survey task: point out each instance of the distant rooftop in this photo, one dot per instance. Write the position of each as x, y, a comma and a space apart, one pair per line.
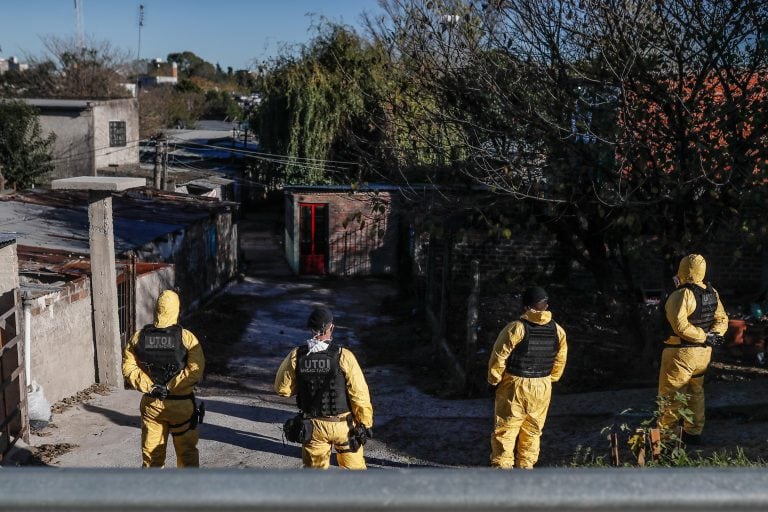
368, 187
66, 104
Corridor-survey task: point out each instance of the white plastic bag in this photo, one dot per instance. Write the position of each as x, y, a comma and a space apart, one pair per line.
38, 408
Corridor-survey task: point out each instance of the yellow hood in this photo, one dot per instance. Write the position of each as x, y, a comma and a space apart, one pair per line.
537, 317
692, 269
167, 309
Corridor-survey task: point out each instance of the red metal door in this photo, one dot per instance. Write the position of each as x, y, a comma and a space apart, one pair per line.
313, 238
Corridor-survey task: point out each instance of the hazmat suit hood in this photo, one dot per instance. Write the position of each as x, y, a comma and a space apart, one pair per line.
692, 269
537, 317
167, 309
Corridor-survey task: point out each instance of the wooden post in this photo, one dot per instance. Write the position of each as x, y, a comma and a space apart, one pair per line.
655, 443
614, 437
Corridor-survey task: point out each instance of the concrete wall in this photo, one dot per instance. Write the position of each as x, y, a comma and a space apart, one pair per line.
205, 256
9, 267
63, 356
116, 110
362, 231
148, 289
73, 149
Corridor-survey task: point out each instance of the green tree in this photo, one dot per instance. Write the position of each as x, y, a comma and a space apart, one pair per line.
221, 105
190, 65
554, 106
321, 108
25, 155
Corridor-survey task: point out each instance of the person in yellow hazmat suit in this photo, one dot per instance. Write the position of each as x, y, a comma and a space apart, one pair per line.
698, 322
332, 396
528, 356
165, 361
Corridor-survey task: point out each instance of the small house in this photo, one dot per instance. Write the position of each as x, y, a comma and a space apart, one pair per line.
341, 230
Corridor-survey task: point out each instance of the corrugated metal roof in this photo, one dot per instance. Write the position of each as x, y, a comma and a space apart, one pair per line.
58, 220
6, 240
370, 187
44, 271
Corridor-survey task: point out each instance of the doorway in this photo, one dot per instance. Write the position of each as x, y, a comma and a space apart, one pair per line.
313, 238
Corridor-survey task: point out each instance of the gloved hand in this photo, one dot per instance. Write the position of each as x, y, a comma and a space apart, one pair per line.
369, 433
159, 391
715, 340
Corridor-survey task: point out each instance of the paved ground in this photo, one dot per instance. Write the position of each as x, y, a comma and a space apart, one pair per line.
252, 324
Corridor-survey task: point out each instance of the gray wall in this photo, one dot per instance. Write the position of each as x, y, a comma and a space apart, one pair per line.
73, 149
63, 357
116, 110
9, 267
207, 253
148, 288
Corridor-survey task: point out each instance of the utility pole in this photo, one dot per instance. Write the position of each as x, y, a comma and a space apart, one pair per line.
164, 162
138, 52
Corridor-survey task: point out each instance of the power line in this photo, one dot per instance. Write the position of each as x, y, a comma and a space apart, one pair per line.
259, 153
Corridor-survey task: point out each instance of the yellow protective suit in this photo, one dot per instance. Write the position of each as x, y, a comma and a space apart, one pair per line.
317, 452
161, 417
682, 368
521, 402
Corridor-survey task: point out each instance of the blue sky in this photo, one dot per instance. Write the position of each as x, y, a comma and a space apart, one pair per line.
230, 32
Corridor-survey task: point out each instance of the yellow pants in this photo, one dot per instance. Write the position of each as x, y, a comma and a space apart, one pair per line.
682, 370
317, 452
158, 418
521, 410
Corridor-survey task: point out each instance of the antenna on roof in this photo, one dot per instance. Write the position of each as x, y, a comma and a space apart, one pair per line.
80, 37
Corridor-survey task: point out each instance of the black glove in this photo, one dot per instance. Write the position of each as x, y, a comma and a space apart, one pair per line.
368, 433
159, 391
715, 340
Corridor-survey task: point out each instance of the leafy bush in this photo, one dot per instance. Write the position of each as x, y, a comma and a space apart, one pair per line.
663, 450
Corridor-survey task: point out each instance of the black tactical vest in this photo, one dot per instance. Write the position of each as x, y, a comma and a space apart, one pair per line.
322, 386
706, 303
534, 356
161, 352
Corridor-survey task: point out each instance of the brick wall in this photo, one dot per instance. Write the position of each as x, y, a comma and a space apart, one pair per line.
362, 231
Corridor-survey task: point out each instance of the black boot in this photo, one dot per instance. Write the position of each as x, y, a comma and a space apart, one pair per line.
691, 439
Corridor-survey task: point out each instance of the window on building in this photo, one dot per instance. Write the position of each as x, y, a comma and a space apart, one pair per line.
117, 133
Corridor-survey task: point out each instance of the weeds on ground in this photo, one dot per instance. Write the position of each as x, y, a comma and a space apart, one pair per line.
659, 447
